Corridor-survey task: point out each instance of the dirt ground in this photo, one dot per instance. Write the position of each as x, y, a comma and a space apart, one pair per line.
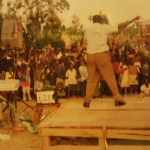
20, 139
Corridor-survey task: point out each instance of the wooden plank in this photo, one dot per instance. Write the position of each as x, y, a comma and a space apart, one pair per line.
126, 147
45, 142
133, 115
135, 103
51, 106
128, 134
72, 147
39, 110
73, 132
52, 114
87, 118
41, 143
132, 103
72, 120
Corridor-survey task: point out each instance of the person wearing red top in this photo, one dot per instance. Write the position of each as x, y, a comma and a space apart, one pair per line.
116, 65
24, 76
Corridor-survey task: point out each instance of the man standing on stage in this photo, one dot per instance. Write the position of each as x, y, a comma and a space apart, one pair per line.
98, 59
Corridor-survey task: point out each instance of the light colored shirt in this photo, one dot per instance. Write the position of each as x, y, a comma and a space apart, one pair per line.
83, 72
59, 55
145, 89
96, 37
9, 75
71, 75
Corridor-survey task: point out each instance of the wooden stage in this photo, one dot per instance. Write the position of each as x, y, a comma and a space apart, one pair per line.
102, 121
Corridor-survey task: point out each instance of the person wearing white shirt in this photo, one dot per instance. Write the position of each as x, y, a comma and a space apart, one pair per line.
97, 58
83, 73
71, 75
145, 89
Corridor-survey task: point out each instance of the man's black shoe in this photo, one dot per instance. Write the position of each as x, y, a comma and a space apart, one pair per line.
120, 103
86, 105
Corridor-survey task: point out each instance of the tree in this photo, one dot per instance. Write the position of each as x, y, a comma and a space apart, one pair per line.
1, 19
37, 14
75, 31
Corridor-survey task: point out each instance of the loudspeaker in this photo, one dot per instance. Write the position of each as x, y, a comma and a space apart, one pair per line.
12, 34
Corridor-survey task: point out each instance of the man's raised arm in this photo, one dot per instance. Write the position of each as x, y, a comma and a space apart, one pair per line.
125, 24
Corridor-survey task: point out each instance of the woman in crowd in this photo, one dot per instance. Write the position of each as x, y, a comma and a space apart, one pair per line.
71, 75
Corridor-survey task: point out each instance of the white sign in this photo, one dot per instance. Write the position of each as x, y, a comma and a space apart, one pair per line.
9, 85
45, 97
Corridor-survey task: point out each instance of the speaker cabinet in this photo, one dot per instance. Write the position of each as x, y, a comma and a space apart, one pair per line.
12, 34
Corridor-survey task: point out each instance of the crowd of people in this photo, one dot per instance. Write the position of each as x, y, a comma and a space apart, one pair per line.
65, 71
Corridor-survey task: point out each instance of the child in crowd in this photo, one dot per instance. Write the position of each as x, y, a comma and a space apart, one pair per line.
125, 78
24, 76
50, 79
145, 69
133, 77
60, 90
145, 89
71, 75
9, 74
83, 73
116, 64
59, 71
38, 78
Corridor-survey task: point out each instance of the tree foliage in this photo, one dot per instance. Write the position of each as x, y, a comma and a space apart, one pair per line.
1, 19
75, 30
38, 17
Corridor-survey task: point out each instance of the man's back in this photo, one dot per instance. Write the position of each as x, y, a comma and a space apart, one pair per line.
96, 37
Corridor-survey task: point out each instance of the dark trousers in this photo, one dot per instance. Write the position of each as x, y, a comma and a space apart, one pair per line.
105, 89
83, 88
71, 89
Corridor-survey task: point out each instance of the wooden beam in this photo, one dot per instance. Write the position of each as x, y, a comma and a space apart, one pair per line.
72, 147
72, 132
128, 134
45, 142
128, 147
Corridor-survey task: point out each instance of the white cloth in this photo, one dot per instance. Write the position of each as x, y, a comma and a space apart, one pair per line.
145, 89
71, 75
125, 78
83, 72
96, 37
59, 55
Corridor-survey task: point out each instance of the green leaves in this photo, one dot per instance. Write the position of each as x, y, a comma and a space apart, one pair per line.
35, 15
76, 30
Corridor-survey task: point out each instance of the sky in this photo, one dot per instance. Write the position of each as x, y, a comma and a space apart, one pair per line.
117, 11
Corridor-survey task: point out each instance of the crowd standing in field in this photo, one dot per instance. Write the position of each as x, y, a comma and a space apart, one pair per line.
65, 69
